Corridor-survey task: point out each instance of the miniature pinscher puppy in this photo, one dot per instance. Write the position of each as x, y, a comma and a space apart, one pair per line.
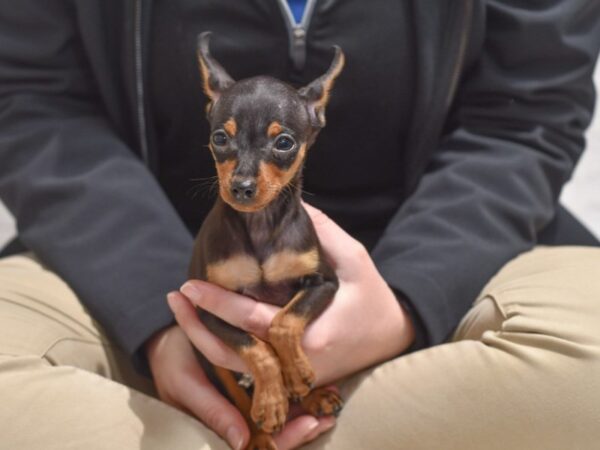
259, 241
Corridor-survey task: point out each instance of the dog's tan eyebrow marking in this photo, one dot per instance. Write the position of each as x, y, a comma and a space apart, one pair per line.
235, 272
274, 129
231, 127
288, 264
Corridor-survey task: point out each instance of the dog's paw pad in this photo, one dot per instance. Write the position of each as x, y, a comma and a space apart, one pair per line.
323, 402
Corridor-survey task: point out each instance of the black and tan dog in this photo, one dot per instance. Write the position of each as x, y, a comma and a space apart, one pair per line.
259, 241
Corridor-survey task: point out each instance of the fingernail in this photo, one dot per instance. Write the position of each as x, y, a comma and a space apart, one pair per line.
312, 427
234, 438
190, 291
329, 426
171, 299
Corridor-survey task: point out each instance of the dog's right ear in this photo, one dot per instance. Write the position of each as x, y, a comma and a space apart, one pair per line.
316, 94
214, 77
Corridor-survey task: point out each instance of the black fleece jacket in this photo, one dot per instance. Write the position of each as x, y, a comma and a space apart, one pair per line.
504, 94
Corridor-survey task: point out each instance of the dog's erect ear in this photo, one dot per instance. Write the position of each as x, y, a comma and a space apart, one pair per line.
214, 77
316, 94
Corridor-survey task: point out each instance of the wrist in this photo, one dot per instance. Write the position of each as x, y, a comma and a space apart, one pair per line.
155, 344
418, 339
408, 325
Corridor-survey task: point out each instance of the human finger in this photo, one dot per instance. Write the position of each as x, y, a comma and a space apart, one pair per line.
207, 343
302, 430
181, 382
238, 310
346, 253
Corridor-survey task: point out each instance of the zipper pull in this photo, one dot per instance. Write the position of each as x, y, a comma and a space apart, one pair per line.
298, 47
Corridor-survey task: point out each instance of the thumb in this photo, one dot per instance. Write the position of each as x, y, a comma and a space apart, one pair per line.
342, 249
203, 400
182, 383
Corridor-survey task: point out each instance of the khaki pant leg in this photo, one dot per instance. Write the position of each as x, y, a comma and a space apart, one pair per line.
60, 377
523, 370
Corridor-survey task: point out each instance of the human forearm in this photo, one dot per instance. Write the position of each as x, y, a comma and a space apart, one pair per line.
493, 182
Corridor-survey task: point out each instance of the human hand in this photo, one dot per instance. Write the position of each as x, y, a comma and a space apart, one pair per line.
364, 320
181, 382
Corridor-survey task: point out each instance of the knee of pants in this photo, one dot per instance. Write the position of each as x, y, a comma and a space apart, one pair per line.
41, 316
548, 299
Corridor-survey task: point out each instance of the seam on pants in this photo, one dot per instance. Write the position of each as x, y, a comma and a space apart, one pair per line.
115, 385
106, 345
41, 307
493, 296
39, 312
57, 341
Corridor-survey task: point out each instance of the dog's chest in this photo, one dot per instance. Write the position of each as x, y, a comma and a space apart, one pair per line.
271, 280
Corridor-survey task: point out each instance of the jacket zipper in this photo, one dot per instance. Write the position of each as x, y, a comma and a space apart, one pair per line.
297, 31
462, 48
139, 84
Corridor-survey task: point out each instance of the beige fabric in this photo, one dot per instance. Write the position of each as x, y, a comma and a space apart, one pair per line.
522, 372
60, 377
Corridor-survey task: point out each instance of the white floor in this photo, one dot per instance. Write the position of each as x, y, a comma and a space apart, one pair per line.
581, 195
7, 225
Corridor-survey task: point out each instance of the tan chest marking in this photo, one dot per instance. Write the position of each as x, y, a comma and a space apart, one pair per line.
241, 271
289, 264
235, 273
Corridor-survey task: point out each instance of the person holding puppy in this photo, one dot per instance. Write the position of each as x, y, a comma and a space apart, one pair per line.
461, 321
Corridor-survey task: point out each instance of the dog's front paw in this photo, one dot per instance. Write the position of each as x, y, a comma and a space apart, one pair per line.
323, 402
261, 441
298, 378
270, 408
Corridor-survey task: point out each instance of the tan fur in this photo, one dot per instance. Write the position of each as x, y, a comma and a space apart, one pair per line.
289, 264
271, 179
241, 399
204, 70
322, 401
231, 127
269, 402
274, 129
285, 335
235, 273
328, 84
225, 172
235, 391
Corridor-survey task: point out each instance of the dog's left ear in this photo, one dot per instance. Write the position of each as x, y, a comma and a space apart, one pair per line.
316, 94
214, 77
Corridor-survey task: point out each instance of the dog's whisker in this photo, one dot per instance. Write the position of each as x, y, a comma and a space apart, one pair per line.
213, 177
206, 185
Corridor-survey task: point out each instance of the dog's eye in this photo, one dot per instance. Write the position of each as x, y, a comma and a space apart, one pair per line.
284, 143
219, 138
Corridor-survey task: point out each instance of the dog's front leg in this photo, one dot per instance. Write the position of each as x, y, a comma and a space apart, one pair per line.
269, 402
285, 335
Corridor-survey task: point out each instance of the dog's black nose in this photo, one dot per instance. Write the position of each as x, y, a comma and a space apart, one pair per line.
243, 189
